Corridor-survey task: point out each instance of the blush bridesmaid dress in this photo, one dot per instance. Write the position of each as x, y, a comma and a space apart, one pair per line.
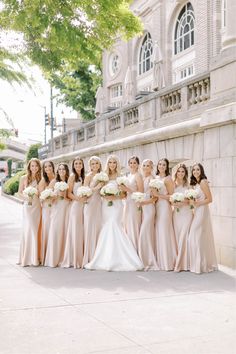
182, 220
57, 231
164, 233
202, 256
146, 236
132, 216
29, 247
73, 255
92, 223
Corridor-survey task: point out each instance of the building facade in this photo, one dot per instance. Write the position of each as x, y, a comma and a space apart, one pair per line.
171, 93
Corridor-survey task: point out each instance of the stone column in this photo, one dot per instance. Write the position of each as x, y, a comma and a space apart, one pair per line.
229, 36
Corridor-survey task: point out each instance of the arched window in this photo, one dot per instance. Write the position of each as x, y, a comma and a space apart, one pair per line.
184, 30
145, 55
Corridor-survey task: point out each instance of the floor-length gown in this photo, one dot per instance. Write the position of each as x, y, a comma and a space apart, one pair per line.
73, 255
115, 251
202, 256
182, 220
46, 219
146, 236
132, 216
29, 247
56, 235
92, 223
164, 233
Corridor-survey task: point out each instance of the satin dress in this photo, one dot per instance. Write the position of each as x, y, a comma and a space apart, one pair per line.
132, 216
202, 256
146, 237
92, 223
57, 232
46, 219
29, 246
166, 250
115, 251
182, 220
73, 255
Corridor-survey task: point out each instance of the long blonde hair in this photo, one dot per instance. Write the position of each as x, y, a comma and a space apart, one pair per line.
95, 158
29, 173
118, 167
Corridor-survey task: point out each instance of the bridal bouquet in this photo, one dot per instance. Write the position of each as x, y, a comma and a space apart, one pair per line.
138, 197
84, 192
156, 184
60, 187
122, 181
191, 194
47, 194
176, 198
101, 177
109, 189
30, 192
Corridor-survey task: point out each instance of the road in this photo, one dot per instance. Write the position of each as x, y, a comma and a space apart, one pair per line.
69, 311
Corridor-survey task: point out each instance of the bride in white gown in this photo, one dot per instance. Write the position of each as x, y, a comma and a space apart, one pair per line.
115, 251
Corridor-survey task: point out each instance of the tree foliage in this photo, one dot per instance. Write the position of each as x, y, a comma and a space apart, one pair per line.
33, 151
58, 32
78, 88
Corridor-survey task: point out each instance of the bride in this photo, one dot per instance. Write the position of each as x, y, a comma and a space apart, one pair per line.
114, 251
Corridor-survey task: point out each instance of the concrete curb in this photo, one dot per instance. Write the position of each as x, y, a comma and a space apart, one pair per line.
12, 197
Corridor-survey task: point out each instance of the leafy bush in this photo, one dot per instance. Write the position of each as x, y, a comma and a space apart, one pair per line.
33, 151
12, 184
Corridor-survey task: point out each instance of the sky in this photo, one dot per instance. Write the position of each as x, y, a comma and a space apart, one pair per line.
25, 107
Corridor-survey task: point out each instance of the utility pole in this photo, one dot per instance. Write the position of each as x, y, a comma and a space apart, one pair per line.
45, 124
51, 121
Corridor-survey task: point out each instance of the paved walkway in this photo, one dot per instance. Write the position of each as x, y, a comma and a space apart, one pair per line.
68, 311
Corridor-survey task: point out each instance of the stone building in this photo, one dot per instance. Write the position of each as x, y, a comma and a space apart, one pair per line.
171, 93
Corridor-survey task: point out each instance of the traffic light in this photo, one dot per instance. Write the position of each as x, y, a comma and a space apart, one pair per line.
47, 119
16, 133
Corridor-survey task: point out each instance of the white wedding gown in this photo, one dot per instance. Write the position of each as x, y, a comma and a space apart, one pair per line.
115, 251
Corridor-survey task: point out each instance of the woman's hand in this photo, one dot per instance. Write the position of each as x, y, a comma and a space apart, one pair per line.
154, 192
123, 188
110, 197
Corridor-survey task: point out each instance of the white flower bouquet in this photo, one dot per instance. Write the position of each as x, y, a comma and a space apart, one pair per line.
138, 197
29, 193
47, 194
176, 198
101, 177
156, 184
109, 190
84, 192
122, 181
60, 187
191, 194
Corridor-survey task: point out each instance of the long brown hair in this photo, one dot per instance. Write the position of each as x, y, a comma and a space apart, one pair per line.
29, 173
193, 180
45, 176
185, 179
82, 174
167, 171
58, 178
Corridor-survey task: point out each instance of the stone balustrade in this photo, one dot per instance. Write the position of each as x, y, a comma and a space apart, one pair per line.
134, 117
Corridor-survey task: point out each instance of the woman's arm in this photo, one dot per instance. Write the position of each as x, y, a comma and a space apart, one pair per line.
71, 182
22, 185
42, 185
206, 190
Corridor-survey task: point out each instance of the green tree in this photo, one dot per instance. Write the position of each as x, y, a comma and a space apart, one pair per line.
78, 88
33, 151
58, 32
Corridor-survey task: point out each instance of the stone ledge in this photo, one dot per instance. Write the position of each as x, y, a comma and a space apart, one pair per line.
12, 197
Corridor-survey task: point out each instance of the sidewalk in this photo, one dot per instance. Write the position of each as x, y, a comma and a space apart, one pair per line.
69, 311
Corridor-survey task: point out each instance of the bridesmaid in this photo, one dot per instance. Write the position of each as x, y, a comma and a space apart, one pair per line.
92, 210
73, 256
164, 232
146, 236
48, 170
132, 216
202, 257
29, 251
57, 229
182, 219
